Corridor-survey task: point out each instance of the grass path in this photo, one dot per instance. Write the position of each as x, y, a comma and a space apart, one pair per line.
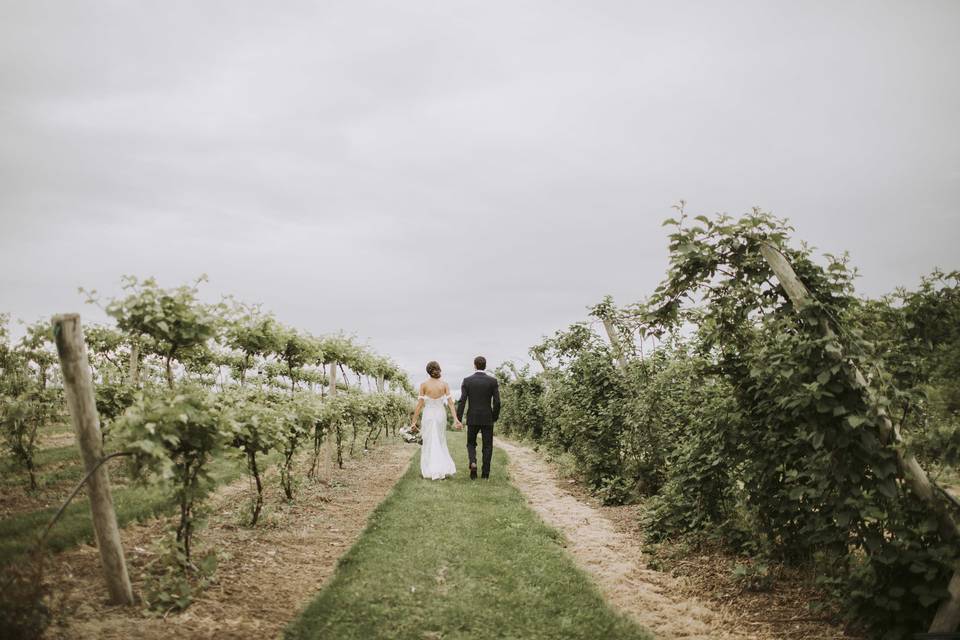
459, 559
618, 565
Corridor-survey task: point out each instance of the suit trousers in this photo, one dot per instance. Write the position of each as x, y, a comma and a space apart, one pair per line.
486, 431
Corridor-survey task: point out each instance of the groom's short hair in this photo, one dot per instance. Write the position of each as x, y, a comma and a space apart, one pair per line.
480, 363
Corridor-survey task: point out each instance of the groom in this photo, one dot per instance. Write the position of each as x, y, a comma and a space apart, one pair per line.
481, 394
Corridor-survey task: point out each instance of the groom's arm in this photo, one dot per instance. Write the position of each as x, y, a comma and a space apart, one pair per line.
496, 399
462, 402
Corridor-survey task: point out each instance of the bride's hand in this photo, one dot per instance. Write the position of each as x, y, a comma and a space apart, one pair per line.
458, 425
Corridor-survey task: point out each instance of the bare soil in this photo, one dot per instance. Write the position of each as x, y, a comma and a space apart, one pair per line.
696, 601
266, 574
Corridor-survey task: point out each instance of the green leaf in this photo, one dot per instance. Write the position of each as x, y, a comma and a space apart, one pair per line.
888, 488
817, 440
855, 420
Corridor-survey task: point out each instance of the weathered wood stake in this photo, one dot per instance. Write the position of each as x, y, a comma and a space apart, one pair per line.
541, 361
948, 615
133, 373
78, 389
333, 379
615, 343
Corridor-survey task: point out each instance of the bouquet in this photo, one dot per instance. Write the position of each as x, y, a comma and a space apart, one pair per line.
410, 436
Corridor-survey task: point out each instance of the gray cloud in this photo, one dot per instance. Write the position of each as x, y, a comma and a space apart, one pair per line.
450, 178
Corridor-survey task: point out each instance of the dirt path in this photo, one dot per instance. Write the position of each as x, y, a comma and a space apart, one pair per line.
615, 561
266, 575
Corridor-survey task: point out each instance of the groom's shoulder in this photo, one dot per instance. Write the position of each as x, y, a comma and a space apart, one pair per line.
486, 377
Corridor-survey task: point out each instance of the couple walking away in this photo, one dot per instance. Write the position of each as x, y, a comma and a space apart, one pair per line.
480, 395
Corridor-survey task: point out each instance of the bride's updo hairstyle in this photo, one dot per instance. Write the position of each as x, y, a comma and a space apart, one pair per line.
433, 368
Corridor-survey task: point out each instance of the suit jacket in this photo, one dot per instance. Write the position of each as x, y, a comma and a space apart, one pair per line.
480, 394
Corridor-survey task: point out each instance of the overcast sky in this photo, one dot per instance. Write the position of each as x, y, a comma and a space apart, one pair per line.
447, 178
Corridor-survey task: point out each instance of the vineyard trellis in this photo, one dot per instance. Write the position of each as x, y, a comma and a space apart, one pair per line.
177, 385
750, 399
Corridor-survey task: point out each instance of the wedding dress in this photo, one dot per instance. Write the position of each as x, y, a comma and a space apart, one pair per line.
435, 460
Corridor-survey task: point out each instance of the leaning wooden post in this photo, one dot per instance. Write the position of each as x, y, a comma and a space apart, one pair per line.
133, 372
615, 343
78, 389
541, 361
947, 618
948, 615
333, 379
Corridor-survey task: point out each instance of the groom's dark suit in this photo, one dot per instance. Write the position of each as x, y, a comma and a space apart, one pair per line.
480, 393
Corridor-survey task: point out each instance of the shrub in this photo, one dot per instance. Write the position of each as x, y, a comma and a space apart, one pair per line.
254, 432
173, 437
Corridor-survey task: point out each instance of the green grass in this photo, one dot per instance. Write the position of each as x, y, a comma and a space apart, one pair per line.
45, 457
53, 466
459, 559
19, 533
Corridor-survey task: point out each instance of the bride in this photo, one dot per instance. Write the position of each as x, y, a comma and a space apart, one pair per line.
435, 460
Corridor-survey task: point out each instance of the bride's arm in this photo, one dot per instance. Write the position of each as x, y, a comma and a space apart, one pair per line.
417, 409
416, 413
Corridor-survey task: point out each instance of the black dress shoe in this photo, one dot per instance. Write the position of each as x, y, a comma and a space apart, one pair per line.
473, 471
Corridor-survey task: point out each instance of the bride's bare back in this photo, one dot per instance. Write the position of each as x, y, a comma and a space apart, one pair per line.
434, 388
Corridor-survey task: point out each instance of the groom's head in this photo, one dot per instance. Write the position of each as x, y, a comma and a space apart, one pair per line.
480, 363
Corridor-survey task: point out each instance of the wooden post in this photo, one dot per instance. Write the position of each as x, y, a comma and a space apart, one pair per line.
615, 343
78, 389
540, 360
333, 379
133, 374
948, 615
380, 383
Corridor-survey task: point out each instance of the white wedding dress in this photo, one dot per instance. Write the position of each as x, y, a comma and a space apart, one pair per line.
435, 460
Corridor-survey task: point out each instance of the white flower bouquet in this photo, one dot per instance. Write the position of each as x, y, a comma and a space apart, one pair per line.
410, 436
